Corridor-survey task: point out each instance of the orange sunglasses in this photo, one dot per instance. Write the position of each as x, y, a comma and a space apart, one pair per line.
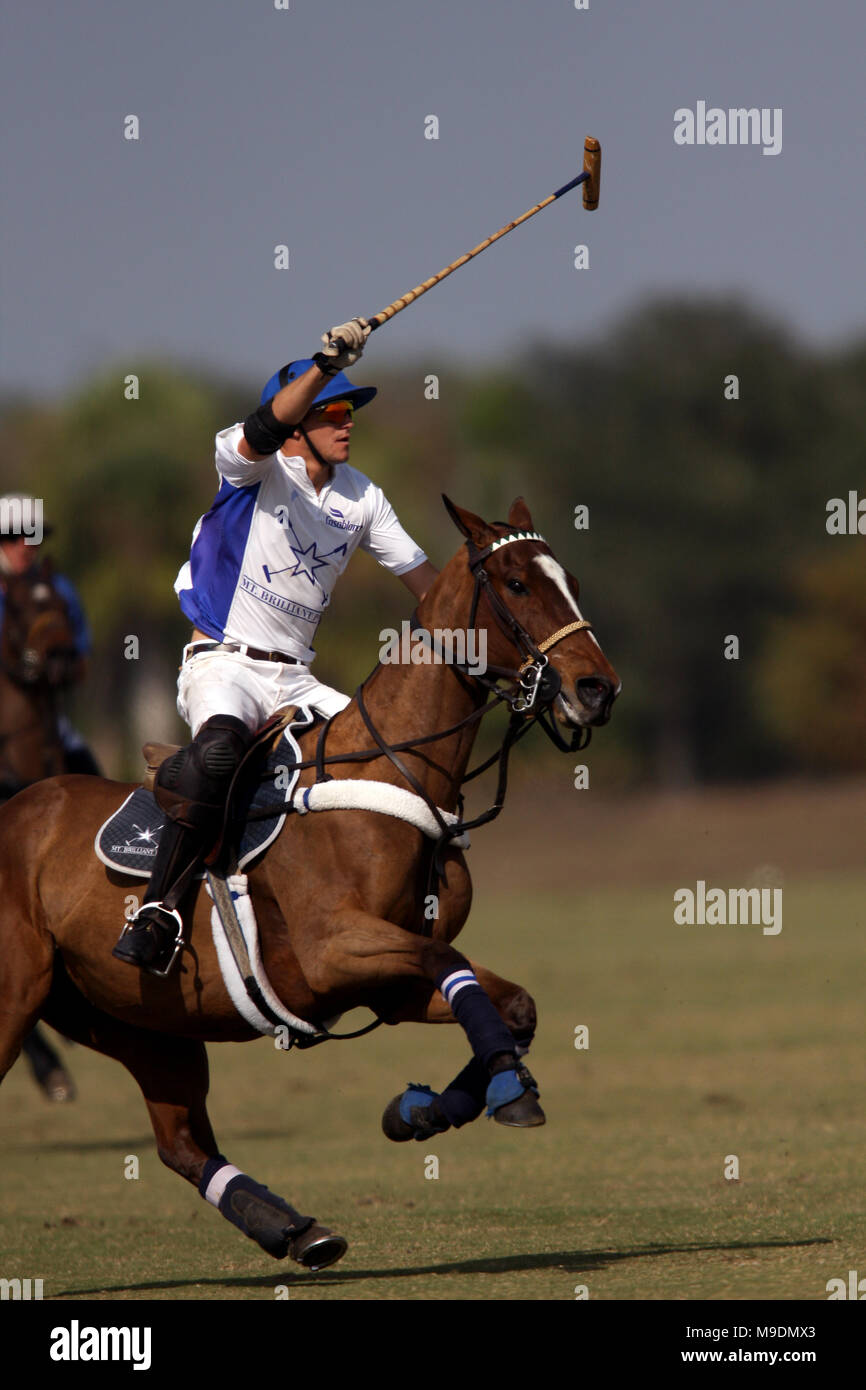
334, 411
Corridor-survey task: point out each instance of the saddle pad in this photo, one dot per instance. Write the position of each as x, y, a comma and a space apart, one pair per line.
241, 989
128, 840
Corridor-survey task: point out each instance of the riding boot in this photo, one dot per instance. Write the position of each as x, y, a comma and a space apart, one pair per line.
191, 788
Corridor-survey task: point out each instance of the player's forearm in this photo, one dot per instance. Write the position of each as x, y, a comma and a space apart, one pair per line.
290, 405
420, 579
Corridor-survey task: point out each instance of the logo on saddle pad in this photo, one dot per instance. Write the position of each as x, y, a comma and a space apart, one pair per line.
148, 840
127, 841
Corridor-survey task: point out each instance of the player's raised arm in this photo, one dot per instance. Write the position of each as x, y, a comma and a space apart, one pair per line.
267, 429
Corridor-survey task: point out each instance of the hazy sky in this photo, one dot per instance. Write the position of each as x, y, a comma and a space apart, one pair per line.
306, 127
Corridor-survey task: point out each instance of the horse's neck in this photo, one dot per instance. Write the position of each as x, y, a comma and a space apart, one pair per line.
30, 743
406, 701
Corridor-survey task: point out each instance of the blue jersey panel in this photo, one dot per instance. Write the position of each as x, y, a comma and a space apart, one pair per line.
216, 558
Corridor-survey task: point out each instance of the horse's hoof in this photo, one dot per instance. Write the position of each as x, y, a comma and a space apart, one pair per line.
523, 1113
393, 1127
58, 1085
512, 1099
317, 1248
414, 1115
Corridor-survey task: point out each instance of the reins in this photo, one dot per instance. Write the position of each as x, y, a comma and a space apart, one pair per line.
529, 702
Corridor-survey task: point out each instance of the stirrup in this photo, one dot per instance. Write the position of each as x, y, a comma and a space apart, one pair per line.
154, 967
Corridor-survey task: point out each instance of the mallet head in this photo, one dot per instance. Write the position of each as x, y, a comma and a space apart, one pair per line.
592, 168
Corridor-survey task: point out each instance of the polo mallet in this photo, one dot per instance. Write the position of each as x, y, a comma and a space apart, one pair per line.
590, 178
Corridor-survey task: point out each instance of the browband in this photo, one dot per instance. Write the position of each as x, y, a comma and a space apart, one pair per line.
479, 556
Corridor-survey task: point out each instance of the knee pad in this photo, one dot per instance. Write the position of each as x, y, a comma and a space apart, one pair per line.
191, 786
220, 745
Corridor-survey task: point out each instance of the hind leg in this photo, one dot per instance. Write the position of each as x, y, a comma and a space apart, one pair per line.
46, 1067
173, 1076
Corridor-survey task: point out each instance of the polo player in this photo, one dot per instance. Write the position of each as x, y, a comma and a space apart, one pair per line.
289, 514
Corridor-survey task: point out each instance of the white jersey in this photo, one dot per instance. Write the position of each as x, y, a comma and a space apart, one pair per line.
267, 555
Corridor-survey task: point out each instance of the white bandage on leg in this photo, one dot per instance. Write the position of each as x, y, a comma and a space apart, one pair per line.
454, 982
220, 1181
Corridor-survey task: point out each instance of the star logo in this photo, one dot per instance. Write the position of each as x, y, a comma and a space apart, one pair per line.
307, 562
306, 567
145, 836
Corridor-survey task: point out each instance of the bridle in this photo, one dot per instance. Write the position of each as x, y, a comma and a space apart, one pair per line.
34, 671
30, 666
535, 685
535, 669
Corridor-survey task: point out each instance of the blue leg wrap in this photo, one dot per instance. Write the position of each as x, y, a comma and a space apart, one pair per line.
463, 1098
507, 1086
416, 1105
488, 1036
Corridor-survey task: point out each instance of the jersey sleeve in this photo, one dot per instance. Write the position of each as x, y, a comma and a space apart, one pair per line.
232, 466
386, 540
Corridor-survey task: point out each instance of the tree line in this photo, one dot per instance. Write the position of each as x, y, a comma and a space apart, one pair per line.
683, 468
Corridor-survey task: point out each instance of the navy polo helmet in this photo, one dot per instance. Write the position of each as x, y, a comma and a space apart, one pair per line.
338, 388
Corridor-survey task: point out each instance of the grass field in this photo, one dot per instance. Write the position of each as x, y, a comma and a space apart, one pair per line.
704, 1043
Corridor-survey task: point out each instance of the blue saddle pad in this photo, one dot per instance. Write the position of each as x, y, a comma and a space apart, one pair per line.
129, 839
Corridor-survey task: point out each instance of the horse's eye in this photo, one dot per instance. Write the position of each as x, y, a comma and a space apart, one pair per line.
516, 587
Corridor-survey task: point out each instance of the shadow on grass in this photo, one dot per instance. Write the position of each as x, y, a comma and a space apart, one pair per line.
82, 1146
140, 1142
572, 1261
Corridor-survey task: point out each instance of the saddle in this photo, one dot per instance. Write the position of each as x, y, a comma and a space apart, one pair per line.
242, 787
266, 776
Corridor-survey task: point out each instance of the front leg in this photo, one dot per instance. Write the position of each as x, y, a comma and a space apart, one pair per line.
369, 951
420, 1113
418, 1004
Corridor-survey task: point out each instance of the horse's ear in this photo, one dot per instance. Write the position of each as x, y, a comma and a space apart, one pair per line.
519, 516
473, 527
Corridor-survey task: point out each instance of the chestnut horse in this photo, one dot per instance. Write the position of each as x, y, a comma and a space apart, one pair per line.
339, 897
38, 662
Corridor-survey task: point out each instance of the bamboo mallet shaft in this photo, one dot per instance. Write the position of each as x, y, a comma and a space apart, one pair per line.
590, 177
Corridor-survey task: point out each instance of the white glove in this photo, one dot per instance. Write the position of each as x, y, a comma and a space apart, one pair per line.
354, 335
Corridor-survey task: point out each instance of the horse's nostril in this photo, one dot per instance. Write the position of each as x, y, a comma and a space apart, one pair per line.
594, 691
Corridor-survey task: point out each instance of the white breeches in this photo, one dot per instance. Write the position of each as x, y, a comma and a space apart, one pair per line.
231, 683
